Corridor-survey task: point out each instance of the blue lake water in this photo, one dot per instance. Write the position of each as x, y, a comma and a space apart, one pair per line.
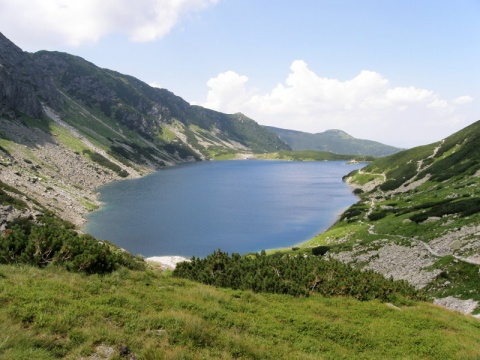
236, 206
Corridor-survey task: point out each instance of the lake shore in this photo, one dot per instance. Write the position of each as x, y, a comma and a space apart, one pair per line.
293, 201
166, 262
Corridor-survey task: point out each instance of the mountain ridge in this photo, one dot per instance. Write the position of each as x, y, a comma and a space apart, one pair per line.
333, 140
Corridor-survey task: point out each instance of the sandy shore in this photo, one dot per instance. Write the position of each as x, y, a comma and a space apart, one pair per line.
167, 262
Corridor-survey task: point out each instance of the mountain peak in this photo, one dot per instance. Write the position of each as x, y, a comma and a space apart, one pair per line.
335, 132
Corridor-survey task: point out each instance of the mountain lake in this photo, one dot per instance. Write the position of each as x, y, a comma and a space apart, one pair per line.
236, 206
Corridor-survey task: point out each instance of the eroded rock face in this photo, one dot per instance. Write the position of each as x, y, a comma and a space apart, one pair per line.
22, 84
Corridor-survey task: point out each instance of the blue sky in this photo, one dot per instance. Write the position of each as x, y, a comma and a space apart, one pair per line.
403, 72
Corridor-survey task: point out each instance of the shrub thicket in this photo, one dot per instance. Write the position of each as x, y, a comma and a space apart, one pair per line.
399, 176
295, 275
55, 242
353, 211
320, 250
377, 215
463, 207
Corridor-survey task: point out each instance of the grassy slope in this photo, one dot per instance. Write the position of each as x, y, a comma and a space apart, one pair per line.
439, 181
51, 313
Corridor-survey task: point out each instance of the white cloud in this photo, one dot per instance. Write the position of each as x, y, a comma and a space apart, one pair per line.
227, 91
463, 100
367, 106
42, 23
408, 95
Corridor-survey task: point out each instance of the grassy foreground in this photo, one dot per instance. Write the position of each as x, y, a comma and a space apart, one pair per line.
52, 313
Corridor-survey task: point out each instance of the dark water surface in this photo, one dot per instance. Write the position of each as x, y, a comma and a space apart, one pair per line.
236, 206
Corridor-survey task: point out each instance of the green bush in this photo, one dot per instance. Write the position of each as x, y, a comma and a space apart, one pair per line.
320, 250
463, 207
374, 216
54, 242
295, 275
355, 210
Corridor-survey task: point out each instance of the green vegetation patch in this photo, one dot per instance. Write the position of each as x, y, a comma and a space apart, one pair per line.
354, 212
463, 207
3, 150
103, 161
398, 176
6, 199
364, 178
167, 134
51, 313
459, 272
294, 275
54, 242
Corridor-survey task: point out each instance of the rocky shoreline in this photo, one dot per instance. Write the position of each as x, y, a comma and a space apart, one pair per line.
52, 174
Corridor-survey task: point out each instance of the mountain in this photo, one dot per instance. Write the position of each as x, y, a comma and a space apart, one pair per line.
86, 97
148, 110
418, 219
336, 141
62, 117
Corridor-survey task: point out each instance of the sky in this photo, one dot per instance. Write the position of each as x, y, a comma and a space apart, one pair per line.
401, 72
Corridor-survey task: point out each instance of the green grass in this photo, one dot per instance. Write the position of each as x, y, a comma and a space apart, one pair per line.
362, 179
51, 313
66, 138
167, 135
103, 161
7, 199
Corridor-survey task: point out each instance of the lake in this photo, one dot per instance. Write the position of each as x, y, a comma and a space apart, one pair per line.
236, 206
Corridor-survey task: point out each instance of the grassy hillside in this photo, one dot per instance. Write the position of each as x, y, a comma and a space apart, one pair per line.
51, 313
418, 213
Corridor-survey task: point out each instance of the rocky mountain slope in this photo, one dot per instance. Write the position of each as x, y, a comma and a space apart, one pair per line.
68, 127
336, 141
150, 112
418, 219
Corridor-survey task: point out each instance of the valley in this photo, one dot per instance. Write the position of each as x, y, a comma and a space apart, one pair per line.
68, 127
